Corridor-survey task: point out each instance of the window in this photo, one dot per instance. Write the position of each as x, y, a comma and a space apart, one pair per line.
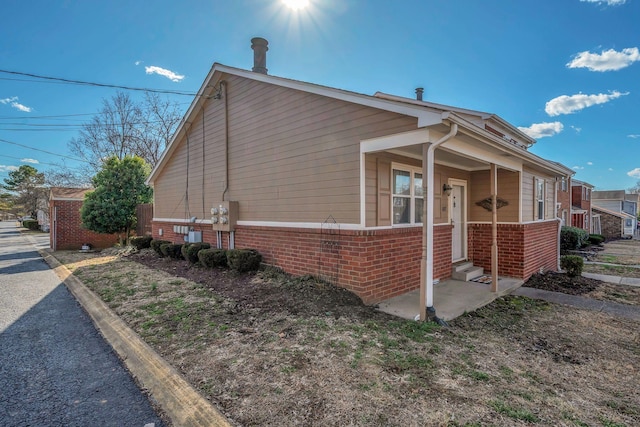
563, 184
539, 199
407, 196
585, 193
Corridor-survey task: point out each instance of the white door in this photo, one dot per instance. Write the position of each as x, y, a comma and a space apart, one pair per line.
458, 220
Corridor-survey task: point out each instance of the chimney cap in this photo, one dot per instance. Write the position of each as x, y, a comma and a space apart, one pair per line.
419, 92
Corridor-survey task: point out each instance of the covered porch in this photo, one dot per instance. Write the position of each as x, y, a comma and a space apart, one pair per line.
452, 298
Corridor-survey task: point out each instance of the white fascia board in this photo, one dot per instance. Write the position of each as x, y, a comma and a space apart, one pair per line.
425, 117
468, 150
397, 140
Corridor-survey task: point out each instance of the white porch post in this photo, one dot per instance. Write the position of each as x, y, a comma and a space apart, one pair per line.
494, 228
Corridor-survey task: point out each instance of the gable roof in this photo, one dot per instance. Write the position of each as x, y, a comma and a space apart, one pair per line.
622, 215
67, 193
426, 113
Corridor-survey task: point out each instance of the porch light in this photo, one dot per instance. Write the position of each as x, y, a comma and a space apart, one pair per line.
446, 189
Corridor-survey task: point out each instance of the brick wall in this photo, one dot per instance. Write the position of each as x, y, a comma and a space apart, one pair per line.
522, 248
374, 264
67, 231
611, 225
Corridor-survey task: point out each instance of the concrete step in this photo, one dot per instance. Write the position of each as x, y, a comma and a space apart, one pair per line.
468, 273
462, 265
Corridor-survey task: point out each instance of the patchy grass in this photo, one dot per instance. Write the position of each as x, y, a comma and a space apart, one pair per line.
265, 358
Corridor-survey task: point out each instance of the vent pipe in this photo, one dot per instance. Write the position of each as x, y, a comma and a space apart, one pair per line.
419, 92
260, 47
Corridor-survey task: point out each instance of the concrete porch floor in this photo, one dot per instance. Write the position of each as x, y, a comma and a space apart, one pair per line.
451, 298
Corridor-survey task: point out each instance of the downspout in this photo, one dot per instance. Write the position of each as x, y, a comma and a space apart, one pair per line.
426, 266
559, 218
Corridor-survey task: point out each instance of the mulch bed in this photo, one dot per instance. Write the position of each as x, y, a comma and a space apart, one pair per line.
560, 282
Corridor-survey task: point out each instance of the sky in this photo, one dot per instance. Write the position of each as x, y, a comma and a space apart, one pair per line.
566, 72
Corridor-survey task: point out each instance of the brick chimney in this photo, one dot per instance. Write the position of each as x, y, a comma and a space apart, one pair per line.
419, 92
260, 47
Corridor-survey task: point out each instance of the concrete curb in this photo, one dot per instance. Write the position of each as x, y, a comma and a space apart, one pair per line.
178, 399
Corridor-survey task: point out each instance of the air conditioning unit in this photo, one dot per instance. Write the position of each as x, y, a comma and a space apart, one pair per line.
194, 237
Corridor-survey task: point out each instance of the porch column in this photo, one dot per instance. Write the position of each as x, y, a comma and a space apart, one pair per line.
494, 228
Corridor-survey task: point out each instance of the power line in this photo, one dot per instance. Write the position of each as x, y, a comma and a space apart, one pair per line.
85, 83
18, 158
43, 151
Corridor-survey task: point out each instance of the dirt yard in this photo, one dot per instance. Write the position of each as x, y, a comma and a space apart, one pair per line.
618, 258
270, 350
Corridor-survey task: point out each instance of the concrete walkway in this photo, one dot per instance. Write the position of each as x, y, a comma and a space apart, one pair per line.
453, 298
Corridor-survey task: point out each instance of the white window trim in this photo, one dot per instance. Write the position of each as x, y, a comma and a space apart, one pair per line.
539, 214
412, 197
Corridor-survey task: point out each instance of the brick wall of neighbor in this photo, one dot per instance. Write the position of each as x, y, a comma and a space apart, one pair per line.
611, 225
68, 230
523, 249
374, 264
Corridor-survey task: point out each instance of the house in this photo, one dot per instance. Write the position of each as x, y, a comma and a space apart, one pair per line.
563, 200
66, 231
618, 201
581, 214
614, 225
378, 194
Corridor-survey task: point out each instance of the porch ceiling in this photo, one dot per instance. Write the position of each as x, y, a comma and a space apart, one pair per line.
443, 157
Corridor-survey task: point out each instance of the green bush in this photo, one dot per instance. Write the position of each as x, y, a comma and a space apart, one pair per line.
31, 224
190, 251
155, 245
572, 264
242, 260
213, 257
172, 250
596, 239
572, 238
141, 242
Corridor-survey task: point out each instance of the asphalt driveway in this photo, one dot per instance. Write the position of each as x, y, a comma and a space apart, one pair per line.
55, 368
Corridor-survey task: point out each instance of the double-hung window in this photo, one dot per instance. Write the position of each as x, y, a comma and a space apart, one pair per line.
407, 195
539, 199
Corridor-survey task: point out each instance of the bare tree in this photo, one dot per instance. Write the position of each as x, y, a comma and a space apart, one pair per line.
161, 118
126, 128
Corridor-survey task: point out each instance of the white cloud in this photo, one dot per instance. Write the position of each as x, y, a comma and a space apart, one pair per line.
608, 60
4, 168
164, 72
610, 169
138, 62
578, 168
634, 136
566, 104
607, 2
13, 101
577, 129
635, 173
34, 161
541, 130
590, 163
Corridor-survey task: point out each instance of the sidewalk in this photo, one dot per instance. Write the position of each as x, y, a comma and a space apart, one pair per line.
615, 309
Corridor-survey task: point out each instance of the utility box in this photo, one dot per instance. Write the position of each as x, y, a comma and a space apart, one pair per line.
224, 216
195, 237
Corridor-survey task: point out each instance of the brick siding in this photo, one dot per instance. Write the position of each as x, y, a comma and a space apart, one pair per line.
67, 230
374, 264
523, 249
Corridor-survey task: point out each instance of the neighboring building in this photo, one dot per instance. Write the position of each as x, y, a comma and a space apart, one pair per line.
66, 229
619, 201
614, 225
581, 214
328, 182
563, 200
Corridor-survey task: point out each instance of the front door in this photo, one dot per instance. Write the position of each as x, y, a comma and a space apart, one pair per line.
458, 220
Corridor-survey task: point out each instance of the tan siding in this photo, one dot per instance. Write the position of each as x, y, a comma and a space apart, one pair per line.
294, 157
508, 189
528, 195
441, 201
371, 196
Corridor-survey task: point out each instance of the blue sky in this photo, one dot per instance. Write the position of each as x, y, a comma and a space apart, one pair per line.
566, 71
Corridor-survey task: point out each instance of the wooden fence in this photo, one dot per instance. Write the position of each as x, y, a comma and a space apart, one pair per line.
144, 212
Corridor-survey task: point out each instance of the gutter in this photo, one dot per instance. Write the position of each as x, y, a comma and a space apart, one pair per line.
426, 265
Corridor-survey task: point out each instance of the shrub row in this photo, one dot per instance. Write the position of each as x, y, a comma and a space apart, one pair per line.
31, 224
572, 264
141, 242
572, 238
240, 260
